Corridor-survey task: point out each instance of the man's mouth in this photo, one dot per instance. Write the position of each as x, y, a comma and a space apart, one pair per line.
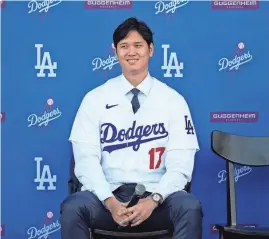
132, 60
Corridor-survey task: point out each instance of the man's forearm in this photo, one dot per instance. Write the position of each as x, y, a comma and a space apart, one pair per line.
171, 182
89, 172
179, 166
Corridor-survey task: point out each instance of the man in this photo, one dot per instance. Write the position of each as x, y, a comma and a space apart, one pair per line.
133, 129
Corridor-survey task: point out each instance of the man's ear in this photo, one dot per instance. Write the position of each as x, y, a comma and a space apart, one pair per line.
151, 49
115, 50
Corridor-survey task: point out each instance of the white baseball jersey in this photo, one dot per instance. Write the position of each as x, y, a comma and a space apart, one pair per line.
113, 146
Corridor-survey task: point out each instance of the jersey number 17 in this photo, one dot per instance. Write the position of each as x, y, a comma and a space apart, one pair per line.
155, 155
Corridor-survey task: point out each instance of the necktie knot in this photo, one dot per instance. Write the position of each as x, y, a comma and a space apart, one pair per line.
135, 91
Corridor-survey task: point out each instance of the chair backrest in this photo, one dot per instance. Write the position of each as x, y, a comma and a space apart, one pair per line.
237, 149
73, 184
245, 150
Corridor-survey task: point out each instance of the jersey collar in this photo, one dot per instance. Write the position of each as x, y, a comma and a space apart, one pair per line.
144, 86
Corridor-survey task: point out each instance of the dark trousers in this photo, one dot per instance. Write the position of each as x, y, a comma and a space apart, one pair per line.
180, 212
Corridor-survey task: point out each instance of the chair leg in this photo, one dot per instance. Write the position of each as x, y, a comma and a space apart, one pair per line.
91, 235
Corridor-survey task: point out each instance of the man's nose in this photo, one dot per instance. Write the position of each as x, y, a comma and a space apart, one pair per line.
132, 51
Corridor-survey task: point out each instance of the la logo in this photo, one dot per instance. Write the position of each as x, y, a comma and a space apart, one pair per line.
45, 176
188, 125
172, 64
46, 63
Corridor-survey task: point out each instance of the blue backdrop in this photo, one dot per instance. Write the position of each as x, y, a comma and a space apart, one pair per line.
53, 52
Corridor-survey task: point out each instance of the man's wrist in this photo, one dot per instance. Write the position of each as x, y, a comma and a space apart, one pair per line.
109, 202
154, 204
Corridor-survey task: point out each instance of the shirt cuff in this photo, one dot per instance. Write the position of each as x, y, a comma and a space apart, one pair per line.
102, 193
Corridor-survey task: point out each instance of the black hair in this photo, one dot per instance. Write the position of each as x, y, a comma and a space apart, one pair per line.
132, 24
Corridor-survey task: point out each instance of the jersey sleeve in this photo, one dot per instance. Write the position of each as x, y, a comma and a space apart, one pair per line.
85, 138
85, 128
181, 148
182, 134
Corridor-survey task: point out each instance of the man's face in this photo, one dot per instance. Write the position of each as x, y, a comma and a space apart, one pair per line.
133, 53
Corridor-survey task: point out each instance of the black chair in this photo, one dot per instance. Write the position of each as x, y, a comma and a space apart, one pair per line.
75, 186
241, 150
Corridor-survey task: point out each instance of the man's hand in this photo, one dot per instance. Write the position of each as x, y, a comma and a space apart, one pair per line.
140, 212
118, 210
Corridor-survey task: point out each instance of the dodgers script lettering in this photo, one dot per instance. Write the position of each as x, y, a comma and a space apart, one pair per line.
139, 134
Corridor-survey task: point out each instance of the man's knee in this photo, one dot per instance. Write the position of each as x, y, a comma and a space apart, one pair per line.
183, 202
69, 205
78, 204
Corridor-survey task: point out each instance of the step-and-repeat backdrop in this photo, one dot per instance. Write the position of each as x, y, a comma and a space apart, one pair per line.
215, 53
